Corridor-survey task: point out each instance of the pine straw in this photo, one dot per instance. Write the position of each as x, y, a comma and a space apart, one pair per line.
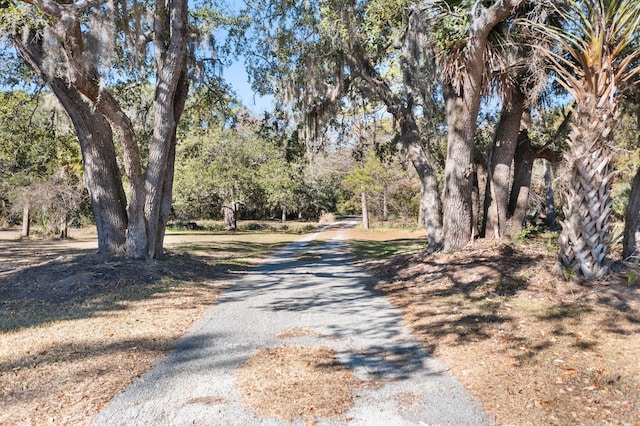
296, 382
300, 332
531, 348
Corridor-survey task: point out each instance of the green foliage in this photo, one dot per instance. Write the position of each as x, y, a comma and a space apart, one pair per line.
620, 196
373, 177
37, 148
213, 168
526, 233
385, 249
453, 20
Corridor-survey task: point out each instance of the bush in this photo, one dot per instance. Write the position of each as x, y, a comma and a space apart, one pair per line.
326, 218
253, 226
308, 228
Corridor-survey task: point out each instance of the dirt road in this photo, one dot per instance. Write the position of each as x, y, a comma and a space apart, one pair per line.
311, 286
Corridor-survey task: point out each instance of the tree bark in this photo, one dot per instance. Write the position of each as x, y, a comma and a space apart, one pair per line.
458, 186
583, 242
631, 237
385, 203
171, 36
365, 210
429, 194
522, 170
64, 227
496, 199
26, 221
421, 208
462, 106
182, 92
230, 214
101, 172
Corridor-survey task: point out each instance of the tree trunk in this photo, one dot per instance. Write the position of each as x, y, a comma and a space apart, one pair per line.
522, 170
429, 194
365, 210
583, 242
458, 186
64, 227
385, 203
631, 237
550, 208
496, 200
421, 208
475, 202
462, 106
229, 214
182, 92
171, 35
101, 172
26, 221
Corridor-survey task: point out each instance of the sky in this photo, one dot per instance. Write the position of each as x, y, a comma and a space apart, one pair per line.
237, 77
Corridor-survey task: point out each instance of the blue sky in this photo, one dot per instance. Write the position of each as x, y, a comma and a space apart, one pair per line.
237, 77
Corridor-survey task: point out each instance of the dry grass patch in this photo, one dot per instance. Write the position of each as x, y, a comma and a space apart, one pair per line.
531, 348
300, 332
63, 358
75, 330
296, 382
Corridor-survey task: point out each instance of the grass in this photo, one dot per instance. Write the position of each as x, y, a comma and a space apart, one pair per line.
384, 249
383, 243
74, 332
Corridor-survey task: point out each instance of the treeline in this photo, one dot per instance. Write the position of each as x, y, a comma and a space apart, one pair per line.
225, 170
468, 93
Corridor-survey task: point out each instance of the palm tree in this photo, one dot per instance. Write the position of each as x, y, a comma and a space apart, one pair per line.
595, 61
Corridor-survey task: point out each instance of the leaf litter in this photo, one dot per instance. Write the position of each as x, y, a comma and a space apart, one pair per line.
296, 382
531, 348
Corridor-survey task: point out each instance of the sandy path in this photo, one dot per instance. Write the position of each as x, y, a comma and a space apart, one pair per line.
324, 293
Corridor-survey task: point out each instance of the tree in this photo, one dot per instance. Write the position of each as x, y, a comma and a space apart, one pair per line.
363, 180
500, 159
80, 39
281, 182
463, 41
220, 169
38, 150
596, 62
321, 53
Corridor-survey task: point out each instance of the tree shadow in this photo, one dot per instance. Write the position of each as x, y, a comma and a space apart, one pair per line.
481, 294
52, 282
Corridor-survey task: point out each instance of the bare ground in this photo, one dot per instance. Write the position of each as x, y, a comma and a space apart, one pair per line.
74, 331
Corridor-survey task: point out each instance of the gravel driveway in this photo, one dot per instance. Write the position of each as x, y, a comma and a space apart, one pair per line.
321, 291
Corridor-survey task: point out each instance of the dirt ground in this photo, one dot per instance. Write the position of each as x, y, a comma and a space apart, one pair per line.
75, 330
531, 348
